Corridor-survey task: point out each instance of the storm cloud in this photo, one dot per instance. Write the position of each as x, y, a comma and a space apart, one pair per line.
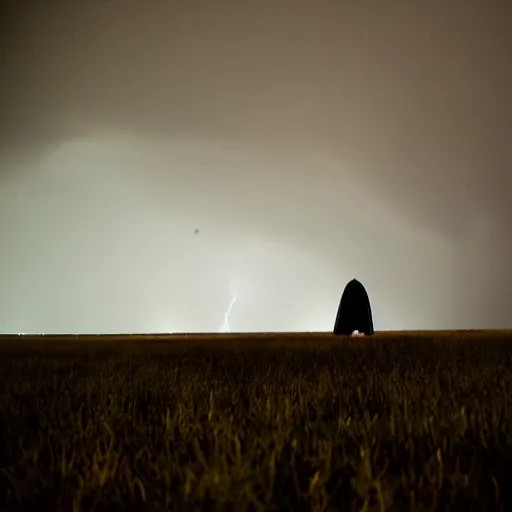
309, 142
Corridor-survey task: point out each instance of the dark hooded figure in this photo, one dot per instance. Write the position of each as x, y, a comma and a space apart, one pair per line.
354, 312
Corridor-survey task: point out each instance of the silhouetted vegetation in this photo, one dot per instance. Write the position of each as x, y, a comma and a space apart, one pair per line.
386, 423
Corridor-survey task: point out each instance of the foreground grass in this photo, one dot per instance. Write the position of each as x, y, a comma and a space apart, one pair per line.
399, 423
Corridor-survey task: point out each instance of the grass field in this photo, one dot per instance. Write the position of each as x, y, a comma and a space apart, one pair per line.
399, 421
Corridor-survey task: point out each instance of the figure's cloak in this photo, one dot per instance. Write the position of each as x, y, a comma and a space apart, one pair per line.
354, 312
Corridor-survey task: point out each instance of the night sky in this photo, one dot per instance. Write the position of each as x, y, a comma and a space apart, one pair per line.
157, 157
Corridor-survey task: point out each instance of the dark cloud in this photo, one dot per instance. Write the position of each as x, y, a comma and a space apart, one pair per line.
373, 136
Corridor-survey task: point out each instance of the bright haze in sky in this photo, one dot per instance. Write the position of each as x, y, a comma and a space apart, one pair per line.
158, 158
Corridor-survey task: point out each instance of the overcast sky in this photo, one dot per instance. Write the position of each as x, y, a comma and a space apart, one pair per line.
309, 142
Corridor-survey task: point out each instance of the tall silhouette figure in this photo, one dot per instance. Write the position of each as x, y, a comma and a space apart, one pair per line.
354, 312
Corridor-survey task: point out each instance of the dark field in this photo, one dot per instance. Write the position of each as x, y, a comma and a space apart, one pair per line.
418, 421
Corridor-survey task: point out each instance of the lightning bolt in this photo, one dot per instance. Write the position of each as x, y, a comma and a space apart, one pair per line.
225, 325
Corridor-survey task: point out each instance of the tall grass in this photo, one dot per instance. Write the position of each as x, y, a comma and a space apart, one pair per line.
383, 424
